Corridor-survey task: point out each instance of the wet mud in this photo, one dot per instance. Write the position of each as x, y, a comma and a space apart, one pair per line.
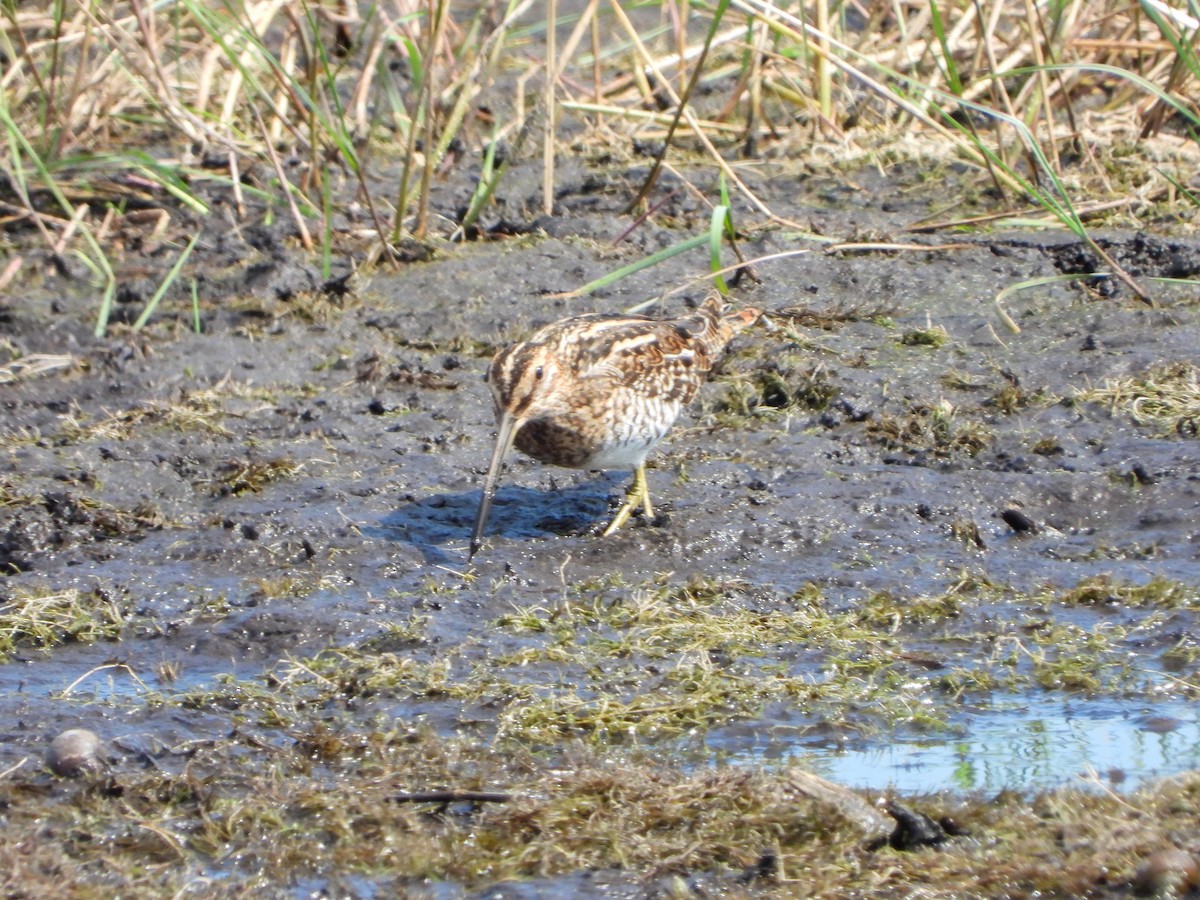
300, 478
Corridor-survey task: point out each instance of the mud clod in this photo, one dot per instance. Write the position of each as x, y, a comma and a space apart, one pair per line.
1019, 521
913, 828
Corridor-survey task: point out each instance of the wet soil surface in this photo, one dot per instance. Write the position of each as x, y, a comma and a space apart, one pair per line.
301, 477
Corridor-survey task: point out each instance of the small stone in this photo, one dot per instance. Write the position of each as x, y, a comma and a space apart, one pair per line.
1167, 873
1019, 521
74, 752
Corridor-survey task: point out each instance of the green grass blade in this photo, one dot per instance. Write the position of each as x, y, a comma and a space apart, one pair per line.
96, 259
1117, 72
1179, 186
719, 225
195, 307
107, 299
644, 263
489, 179
166, 284
949, 67
1184, 51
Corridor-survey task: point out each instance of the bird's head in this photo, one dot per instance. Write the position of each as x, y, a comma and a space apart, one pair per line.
524, 380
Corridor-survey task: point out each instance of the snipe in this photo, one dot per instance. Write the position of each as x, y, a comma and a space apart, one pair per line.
600, 391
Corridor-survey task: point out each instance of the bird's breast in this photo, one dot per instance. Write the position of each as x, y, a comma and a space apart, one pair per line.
615, 437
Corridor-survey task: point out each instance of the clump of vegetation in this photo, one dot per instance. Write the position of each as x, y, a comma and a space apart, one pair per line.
615, 662
1158, 592
934, 337
937, 428
41, 619
1011, 398
777, 388
1166, 398
390, 807
241, 476
202, 411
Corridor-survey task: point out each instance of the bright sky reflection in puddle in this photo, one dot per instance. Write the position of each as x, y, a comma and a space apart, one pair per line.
1025, 746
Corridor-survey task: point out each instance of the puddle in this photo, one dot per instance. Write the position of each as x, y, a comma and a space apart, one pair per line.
1011, 745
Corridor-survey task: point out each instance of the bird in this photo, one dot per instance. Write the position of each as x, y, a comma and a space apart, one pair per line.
599, 391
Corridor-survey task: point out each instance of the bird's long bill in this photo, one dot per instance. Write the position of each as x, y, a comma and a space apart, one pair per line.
505, 432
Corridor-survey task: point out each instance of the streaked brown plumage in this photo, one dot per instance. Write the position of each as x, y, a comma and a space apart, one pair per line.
600, 391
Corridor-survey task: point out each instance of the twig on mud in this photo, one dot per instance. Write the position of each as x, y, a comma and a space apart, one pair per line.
890, 247
10, 271
284, 185
125, 667
706, 276
14, 767
1083, 209
33, 365
453, 797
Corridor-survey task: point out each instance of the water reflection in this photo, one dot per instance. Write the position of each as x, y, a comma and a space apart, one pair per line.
1021, 746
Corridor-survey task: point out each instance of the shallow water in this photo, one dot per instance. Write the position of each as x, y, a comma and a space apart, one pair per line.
1020, 744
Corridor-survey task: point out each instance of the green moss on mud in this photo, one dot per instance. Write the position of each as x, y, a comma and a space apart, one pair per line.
610, 663
307, 782
335, 808
39, 618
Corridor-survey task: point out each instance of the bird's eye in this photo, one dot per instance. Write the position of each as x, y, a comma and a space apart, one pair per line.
537, 373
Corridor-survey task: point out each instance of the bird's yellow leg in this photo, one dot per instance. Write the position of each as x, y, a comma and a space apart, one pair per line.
639, 477
637, 495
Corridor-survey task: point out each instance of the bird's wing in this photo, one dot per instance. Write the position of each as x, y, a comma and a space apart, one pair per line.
655, 358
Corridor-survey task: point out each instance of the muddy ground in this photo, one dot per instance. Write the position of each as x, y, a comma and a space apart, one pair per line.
217, 515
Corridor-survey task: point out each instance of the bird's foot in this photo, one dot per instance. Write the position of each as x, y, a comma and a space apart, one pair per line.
637, 496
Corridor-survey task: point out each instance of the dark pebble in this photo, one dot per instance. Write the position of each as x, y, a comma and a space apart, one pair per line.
1019, 521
